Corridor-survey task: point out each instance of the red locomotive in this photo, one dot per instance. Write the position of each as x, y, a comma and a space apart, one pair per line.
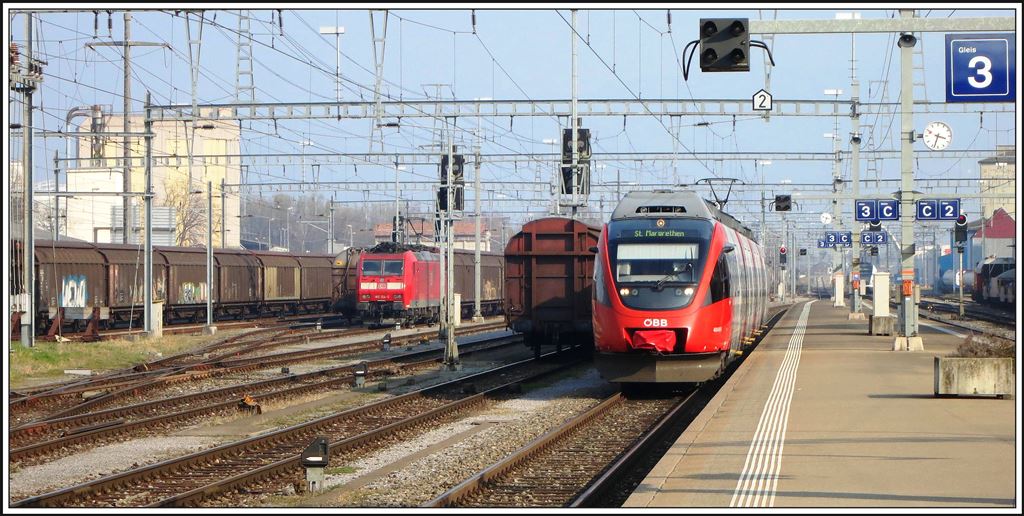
403, 283
680, 287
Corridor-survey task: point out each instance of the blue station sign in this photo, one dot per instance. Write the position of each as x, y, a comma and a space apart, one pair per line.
981, 67
888, 209
872, 237
938, 209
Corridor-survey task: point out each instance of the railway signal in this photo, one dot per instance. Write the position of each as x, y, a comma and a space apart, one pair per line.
724, 45
960, 232
458, 180
783, 202
581, 179
782, 255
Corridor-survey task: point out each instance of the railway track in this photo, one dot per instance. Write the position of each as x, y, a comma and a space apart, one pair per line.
554, 468
250, 465
63, 399
972, 311
69, 403
1000, 321
586, 461
30, 444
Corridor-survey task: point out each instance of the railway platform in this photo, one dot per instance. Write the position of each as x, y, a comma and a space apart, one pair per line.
823, 415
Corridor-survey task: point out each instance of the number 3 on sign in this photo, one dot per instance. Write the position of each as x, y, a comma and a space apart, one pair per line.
984, 69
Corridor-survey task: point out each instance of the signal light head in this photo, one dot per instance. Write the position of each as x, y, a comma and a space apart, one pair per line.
736, 28
961, 220
709, 56
709, 28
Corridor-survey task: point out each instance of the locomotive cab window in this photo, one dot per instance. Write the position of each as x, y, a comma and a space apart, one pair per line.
392, 268
372, 267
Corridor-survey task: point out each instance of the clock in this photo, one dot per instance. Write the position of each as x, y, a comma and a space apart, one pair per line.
937, 135
826, 218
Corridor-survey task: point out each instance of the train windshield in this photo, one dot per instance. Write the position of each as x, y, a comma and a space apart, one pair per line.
392, 267
372, 267
657, 263
382, 267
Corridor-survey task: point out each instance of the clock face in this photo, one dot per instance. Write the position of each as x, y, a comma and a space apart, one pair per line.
937, 136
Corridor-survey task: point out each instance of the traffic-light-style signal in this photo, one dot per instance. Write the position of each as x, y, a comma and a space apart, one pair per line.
582, 177
783, 202
960, 229
782, 254
724, 45
458, 166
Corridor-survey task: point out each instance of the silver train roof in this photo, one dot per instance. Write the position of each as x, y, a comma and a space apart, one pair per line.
671, 204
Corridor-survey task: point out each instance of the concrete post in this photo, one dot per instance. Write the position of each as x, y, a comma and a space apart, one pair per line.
223, 217
126, 125
855, 139
451, 348
477, 315
209, 329
28, 318
907, 337
147, 263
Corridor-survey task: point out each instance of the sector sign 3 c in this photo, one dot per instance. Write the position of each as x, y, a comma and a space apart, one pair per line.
870, 210
981, 67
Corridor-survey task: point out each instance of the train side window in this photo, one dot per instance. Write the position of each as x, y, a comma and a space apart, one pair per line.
720, 281
600, 288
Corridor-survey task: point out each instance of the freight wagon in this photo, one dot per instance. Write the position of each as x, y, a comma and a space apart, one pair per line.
81, 283
549, 271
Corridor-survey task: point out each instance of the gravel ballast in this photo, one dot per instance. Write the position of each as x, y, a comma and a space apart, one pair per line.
508, 425
105, 460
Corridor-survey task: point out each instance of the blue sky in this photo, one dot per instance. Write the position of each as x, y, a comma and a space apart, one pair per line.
533, 48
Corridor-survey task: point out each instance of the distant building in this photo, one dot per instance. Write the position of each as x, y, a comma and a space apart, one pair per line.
421, 231
993, 236
99, 219
998, 178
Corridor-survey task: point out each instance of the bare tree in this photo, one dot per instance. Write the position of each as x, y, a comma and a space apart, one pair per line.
190, 210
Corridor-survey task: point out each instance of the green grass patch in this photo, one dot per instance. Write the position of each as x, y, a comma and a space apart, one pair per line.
341, 470
46, 361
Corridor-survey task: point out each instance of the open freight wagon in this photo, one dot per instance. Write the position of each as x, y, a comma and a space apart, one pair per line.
549, 271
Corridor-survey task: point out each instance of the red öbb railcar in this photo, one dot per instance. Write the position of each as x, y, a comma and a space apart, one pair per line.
680, 288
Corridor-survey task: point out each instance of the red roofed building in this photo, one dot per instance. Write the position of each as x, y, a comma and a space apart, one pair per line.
421, 231
992, 236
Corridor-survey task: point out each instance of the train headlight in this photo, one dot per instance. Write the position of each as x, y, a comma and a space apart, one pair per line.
688, 291
634, 292
624, 292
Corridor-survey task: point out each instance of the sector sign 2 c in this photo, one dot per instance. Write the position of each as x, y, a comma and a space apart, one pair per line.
981, 67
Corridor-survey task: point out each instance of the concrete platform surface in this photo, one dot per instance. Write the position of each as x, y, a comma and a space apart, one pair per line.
824, 415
